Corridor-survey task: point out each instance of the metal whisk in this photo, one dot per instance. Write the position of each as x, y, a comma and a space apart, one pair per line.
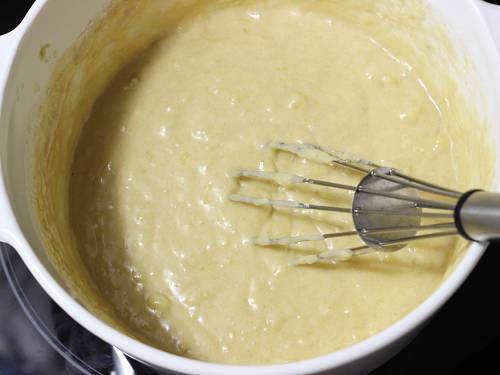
387, 207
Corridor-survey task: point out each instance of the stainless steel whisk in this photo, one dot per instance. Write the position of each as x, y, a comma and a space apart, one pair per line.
387, 207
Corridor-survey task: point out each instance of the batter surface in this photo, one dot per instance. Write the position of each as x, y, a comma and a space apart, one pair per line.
150, 178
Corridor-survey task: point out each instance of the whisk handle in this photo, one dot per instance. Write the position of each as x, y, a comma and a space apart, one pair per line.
477, 215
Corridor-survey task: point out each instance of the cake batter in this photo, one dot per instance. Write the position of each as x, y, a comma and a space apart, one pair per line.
150, 180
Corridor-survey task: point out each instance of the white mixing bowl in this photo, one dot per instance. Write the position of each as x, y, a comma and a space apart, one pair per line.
60, 22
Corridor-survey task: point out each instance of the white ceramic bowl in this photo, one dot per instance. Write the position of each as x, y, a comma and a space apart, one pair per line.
475, 25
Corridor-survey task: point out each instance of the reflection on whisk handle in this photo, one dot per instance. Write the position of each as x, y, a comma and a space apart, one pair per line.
477, 215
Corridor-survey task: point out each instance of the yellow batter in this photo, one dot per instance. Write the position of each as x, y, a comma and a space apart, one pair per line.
150, 178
